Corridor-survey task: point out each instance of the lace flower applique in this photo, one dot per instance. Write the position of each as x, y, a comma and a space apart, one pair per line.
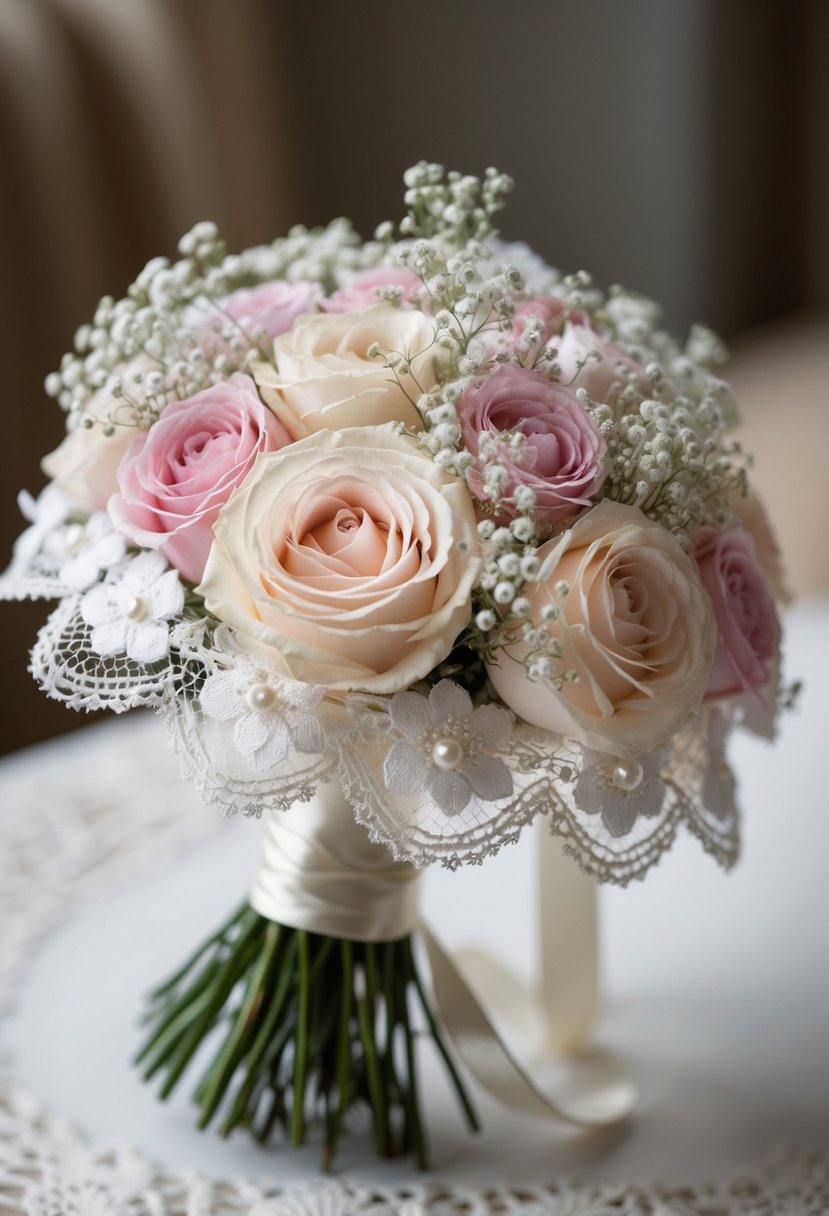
269, 715
620, 788
131, 614
447, 747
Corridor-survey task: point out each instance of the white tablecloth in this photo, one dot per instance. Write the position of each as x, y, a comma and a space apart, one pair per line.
717, 986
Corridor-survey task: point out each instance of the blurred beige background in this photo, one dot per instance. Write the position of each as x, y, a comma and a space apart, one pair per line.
678, 146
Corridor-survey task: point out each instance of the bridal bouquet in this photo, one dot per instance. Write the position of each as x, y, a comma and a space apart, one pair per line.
408, 541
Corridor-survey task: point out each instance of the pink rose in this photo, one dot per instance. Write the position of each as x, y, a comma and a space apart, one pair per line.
609, 366
361, 291
175, 477
752, 515
748, 631
563, 454
271, 306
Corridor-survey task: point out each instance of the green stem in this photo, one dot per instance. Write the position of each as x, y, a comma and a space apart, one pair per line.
301, 1057
312, 1027
365, 1020
460, 1089
264, 1038
413, 1124
233, 1048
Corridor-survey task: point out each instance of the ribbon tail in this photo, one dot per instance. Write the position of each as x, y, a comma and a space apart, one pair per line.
593, 1091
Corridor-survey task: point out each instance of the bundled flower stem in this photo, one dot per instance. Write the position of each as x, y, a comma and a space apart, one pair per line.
313, 1027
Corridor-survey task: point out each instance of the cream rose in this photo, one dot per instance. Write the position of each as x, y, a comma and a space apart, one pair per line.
351, 556
324, 378
85, 465
637, 627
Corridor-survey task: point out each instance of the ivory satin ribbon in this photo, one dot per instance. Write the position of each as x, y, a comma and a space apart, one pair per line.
319, 871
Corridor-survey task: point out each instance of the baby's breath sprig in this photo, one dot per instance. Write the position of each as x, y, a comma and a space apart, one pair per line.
457, 207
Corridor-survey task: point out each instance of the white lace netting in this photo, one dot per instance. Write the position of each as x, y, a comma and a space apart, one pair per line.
251, 740
63, 846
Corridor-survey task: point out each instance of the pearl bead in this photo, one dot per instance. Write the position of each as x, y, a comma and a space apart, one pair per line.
260, 698
627, 775
448, 753
136, 608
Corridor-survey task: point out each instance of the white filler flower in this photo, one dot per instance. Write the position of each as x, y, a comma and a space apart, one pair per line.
132, 615
448, 746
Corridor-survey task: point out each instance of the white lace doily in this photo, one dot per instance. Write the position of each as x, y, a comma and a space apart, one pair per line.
62, 847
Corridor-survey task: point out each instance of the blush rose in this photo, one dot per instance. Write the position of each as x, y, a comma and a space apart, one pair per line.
272, 307
748, 630
174, 478
636, 628
562, 458
350, 557
361, 291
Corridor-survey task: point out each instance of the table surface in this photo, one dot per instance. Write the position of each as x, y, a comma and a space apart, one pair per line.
716, 986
